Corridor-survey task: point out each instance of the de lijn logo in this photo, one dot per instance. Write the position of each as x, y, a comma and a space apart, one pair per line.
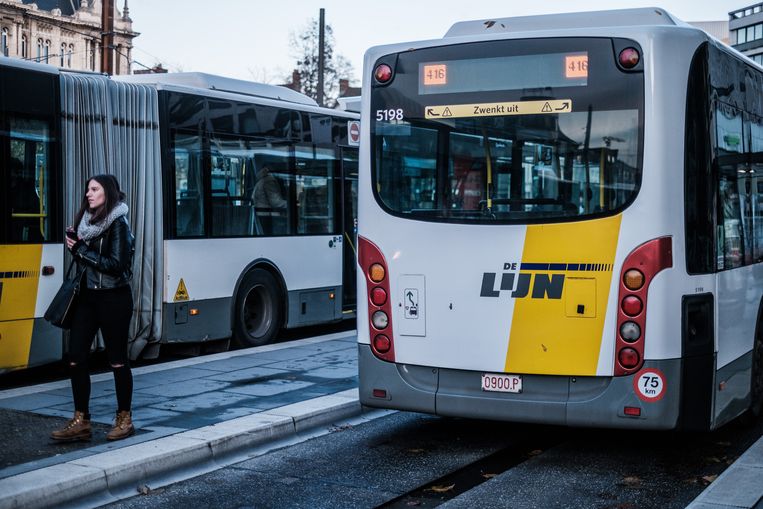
544, 286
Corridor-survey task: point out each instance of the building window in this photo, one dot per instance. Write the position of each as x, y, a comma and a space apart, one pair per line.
46, 52
69, 56
92, 55
23, 47
4, 42
62, 55
39, 50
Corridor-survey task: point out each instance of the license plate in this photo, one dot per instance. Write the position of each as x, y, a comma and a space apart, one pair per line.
495, 382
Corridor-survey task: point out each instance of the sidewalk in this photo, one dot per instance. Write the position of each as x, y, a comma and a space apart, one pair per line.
186, 413
739, 486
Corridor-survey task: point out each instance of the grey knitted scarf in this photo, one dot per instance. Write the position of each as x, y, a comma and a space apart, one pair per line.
88, 232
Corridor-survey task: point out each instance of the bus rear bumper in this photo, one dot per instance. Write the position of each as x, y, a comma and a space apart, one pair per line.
562, 400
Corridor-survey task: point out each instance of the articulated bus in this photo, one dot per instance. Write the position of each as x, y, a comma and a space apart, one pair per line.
561, 221
242, 199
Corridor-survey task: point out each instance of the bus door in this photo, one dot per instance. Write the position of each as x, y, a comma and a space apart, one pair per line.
30, 266
349, 226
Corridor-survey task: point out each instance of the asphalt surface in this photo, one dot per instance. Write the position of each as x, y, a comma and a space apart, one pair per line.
27, 436
414, 460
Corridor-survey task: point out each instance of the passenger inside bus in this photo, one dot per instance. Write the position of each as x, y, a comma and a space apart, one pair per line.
269, 203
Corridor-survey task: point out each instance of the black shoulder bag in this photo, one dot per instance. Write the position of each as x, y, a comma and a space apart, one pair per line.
61, 309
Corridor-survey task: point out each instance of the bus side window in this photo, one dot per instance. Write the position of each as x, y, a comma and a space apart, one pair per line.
189, 195
316, 192
29, 172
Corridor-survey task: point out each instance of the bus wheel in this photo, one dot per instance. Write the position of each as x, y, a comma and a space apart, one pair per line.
756, 385
258, 309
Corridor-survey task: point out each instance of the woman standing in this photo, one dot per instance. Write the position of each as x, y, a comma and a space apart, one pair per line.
102, 246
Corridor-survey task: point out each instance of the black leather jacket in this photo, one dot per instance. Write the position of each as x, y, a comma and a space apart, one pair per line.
107, 260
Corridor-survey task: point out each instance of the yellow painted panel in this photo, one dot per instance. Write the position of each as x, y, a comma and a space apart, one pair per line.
580, 297
543, 339
15, 341
19, 275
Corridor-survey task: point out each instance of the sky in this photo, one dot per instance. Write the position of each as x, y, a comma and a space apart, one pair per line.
250, 39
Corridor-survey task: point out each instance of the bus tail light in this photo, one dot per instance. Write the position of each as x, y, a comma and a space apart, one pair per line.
383, 74
639, 268
629, 58
374, 268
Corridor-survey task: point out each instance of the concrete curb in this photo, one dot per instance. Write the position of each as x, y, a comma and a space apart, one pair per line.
739, 486
111, 471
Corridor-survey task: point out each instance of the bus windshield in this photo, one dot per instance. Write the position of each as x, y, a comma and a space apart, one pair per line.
508, 132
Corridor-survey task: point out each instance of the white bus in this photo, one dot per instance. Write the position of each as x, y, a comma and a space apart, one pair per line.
561, 221
242, 200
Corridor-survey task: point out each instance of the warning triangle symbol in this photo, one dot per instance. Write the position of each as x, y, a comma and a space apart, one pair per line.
182, 292
447, 113
546, 108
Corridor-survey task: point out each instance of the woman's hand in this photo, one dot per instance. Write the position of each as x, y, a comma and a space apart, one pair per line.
70, 242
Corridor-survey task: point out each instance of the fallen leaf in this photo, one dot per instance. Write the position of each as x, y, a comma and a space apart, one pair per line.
723, 443
712, 459
632, 480
441, 488
413, 503
707, 479
416, 451
144, 489
534, 452
489, 476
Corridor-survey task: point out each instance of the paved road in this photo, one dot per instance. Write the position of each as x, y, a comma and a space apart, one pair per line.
387, 459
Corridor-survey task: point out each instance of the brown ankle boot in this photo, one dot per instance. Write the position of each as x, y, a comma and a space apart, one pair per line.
78, 428
123, 427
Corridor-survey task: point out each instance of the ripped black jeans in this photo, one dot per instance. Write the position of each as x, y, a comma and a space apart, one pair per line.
110, 311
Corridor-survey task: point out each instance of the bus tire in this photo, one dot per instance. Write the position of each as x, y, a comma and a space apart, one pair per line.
258, 309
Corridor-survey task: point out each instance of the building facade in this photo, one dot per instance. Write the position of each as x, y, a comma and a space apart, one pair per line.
65, 33
746, 31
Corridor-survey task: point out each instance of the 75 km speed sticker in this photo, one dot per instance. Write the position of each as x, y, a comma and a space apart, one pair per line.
649, 385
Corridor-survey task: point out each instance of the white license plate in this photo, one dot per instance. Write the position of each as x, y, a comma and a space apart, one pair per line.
494, 382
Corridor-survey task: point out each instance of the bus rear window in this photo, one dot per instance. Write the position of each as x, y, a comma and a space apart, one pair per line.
551, 146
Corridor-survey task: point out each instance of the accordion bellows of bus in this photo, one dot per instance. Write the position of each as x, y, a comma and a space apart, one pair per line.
560, 222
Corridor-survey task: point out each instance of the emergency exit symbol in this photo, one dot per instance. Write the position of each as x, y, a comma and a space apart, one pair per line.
411, 299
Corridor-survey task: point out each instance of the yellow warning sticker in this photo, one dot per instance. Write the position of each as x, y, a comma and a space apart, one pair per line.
498, 109
182, 292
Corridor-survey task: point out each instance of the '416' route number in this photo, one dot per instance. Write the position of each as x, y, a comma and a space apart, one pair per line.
390, 114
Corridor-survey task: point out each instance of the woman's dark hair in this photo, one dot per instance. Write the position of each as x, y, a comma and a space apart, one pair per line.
110, 186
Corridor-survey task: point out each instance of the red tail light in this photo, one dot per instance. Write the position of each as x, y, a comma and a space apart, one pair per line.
374, 268
639, 268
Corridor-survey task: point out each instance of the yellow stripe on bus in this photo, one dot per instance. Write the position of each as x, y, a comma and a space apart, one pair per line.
19, 275
562, 336
15, 343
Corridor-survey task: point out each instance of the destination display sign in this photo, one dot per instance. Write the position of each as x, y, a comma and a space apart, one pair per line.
497, 109
511, 72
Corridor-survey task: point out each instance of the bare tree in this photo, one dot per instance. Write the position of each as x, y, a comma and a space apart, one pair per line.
304, 48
